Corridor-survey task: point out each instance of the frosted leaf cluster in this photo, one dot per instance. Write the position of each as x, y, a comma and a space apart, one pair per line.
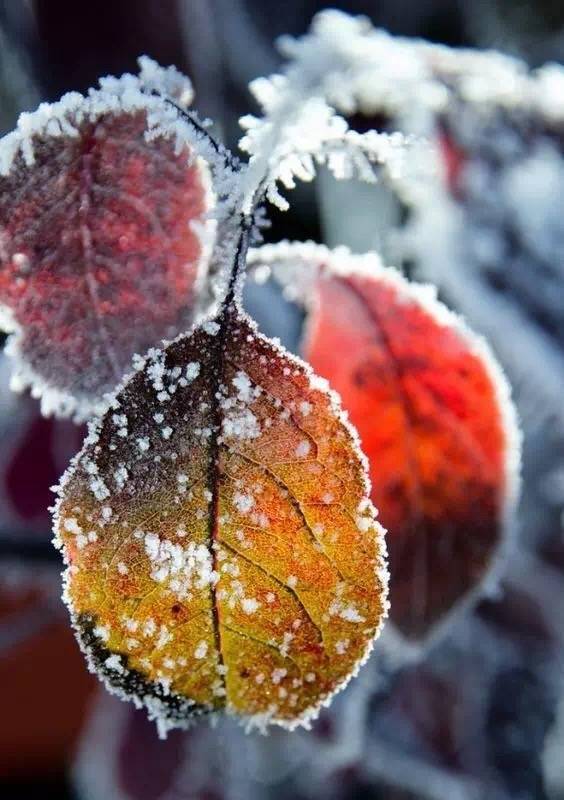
503, 228
473, 144
298, 132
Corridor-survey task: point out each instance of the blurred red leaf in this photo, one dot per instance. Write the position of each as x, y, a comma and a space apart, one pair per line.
44, 447
34, 452
434, 416
121, 756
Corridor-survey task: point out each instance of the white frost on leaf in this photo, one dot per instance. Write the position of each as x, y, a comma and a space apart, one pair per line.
243, 502
182, 567
363, 69
113, 662
344, 66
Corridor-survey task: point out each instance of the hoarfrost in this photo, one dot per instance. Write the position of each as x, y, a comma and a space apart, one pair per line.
113, 662
250, 605
299, 128
192, 371
189, 567
201, 650
243, 502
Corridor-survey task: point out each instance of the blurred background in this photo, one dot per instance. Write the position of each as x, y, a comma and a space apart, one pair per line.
482, 715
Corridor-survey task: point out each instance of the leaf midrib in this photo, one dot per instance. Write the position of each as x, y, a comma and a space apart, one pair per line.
217, 357
86, 182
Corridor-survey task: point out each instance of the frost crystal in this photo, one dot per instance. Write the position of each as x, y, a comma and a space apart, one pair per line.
201, 650
243, 502
249, 605
181, 567
192, 371
114, 663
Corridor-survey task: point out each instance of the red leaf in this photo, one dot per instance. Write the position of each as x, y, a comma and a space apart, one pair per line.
45, 445
103, 202
433, 412
121, 756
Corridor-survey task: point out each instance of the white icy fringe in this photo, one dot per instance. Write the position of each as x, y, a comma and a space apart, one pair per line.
128, 94
345, 66
297, 266
358, 68
125, 95
166, 81
157, 710
415, 84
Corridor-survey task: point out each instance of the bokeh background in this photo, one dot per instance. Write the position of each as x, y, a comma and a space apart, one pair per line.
482, 716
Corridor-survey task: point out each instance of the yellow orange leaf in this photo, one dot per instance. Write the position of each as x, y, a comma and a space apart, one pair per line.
222, 550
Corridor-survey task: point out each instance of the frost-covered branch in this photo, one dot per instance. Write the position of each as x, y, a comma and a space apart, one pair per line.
360, 68
299, 129
344, 66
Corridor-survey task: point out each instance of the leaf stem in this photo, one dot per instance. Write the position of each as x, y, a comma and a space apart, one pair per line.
239, 265
191, 117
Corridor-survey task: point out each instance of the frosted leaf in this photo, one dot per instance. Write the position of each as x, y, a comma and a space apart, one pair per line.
245, 555
344, 66
361, 69
109, 206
